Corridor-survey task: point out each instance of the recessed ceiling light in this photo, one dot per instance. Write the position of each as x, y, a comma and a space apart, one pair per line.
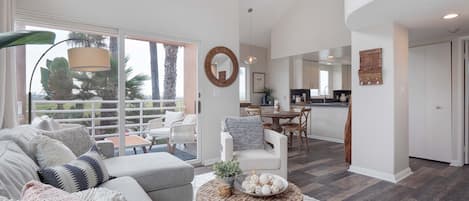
450, 16
330, 57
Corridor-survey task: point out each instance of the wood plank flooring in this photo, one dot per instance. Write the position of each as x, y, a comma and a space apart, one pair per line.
322, 174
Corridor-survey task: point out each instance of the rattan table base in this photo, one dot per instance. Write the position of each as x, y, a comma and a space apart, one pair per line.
209, 192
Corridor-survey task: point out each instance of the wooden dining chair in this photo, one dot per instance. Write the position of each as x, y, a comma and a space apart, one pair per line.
255, 110
298, 126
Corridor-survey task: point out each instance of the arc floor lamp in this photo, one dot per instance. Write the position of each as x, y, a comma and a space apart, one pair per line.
84, 59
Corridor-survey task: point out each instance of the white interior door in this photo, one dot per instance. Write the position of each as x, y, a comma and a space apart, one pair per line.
430, 102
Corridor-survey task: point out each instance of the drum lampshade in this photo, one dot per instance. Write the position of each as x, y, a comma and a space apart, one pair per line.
89, 59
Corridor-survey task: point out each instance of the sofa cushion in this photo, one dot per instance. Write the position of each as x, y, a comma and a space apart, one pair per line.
247, 132
129, 188
22, 136
85, 172
258, 159
16, 169
51, 152
75, 137
153, 171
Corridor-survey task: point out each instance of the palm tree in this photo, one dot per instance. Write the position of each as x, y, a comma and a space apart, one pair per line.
155, 84
170, 73
57, 80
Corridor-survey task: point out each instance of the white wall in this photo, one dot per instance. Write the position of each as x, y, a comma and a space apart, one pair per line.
278, 78
259, 67
379, 126
176, 19
310, 26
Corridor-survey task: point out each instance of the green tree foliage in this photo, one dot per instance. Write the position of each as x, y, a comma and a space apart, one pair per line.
57, 79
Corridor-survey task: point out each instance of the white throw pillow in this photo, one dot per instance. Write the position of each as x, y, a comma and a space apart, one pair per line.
51, 152
171, 117
45, 123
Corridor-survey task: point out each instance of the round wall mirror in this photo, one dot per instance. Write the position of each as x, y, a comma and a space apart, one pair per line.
221, 66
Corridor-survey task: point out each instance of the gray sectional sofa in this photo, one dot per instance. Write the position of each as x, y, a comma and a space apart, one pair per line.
146, 177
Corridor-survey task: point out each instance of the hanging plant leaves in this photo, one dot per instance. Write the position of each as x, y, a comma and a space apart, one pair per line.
10, 39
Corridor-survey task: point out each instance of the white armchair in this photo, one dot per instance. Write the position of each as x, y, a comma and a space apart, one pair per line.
174, 127
270, 160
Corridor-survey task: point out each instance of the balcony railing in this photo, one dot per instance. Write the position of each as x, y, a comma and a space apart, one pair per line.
101, 116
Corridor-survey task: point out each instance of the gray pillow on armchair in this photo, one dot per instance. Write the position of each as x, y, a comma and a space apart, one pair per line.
247, 132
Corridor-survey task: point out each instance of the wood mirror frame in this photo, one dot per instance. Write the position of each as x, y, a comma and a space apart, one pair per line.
208, 66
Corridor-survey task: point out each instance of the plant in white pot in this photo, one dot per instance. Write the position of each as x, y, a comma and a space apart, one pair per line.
227, 171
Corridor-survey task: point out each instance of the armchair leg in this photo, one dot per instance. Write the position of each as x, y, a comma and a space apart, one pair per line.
153, 140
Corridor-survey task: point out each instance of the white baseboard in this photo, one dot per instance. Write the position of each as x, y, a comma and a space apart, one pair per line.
330, 139
210, 161
456, 163
393, 178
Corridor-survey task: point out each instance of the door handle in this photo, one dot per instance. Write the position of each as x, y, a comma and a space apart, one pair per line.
438, 107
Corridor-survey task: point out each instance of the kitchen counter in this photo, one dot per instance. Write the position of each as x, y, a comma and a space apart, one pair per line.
330, 104
327, 120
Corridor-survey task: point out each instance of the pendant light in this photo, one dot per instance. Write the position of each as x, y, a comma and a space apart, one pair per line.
250, 59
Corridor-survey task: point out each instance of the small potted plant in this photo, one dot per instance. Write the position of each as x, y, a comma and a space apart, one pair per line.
227, 171
267, 99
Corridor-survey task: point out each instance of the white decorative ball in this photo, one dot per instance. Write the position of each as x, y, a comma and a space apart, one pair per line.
251, 188
278, 183
266, 190
245, 185
275, 189
258, 190
264, 179
254, 179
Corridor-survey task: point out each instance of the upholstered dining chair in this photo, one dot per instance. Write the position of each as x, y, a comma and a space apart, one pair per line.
255, 110
298, 126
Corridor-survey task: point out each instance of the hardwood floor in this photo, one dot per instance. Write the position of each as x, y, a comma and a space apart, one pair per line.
322, 174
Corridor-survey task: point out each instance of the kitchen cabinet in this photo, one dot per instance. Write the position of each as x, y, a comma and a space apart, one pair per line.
430, 102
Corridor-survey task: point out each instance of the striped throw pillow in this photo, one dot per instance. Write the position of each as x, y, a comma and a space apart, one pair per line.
87, 171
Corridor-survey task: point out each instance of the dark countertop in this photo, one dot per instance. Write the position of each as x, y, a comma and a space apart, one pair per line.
330, 104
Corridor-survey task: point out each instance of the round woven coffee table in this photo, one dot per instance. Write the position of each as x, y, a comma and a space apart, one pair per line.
209, 192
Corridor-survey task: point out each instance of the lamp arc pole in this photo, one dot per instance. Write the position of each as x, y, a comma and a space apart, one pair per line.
34, 70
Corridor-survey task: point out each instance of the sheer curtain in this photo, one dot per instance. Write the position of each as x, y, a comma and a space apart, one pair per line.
8, 116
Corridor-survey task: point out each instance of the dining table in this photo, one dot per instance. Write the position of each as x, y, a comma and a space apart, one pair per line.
277, 115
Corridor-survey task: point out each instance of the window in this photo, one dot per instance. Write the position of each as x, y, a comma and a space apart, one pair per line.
157, 77
85, 98
243, 84
323, 83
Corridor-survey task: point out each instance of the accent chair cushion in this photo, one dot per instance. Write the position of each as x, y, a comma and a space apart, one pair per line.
160, 132
75, 137
51, 152
153, 171
16, 169
247, 132
85, 172
190, 119
257, 159
171, 117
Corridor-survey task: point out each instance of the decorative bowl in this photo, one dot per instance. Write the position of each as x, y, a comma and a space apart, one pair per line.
239, 180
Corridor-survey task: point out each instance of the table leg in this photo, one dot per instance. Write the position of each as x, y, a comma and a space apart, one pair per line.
276, 125
144, 148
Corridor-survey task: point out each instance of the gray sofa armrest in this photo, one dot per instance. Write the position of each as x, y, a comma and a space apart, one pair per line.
106, 147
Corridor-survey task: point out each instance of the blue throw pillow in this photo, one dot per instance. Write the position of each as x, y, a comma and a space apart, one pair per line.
87, 171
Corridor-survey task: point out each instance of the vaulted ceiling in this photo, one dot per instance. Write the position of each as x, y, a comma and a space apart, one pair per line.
266, 14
